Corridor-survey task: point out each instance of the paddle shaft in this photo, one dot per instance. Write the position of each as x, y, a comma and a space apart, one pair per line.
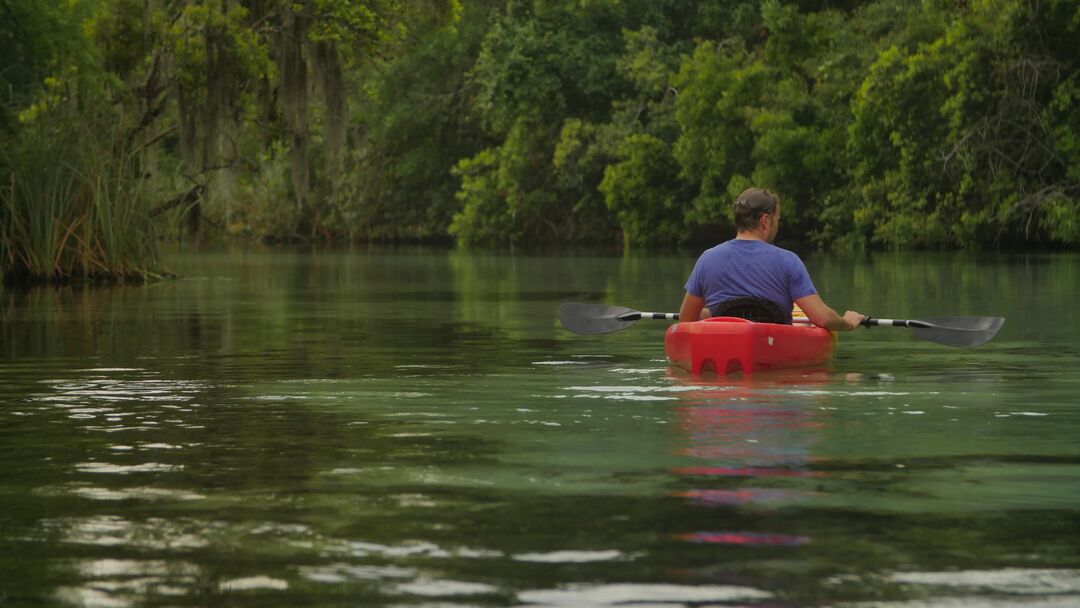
674, 316
634, 316
867, 322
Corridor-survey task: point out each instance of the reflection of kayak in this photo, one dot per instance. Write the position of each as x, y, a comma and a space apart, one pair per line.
725, 345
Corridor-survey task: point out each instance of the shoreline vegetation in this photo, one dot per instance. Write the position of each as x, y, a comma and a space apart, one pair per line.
885, 125
75, 207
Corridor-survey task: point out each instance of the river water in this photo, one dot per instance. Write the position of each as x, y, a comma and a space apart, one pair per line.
412, 427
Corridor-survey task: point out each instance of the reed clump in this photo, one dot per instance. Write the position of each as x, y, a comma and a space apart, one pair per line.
74, 206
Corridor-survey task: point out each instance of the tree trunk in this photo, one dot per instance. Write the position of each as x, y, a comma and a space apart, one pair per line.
189, 149
294, 101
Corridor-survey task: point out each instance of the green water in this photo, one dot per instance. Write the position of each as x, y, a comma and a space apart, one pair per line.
412, 427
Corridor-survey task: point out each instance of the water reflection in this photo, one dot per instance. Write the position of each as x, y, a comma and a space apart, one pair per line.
152, 533
749, 435
407, 429
442, 588
746, 538
338, 573
1043, 588
143, 493
122, 399
585, 596
124, 582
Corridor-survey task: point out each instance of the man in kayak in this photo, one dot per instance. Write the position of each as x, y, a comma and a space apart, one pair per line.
750, 266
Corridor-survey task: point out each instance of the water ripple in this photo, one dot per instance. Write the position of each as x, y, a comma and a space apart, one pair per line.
343, 573
439, 588
585, 596
571, 557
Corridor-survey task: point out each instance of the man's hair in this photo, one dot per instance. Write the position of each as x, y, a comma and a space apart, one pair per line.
751, 205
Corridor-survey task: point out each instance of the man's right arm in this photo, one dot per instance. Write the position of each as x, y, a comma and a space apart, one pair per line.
692, 307
821, 315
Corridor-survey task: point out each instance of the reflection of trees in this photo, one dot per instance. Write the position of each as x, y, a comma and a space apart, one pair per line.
928, 284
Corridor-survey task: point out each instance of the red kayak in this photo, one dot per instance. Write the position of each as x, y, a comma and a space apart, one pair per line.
725, 345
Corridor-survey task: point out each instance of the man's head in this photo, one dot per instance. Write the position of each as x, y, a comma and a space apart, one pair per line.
758, 211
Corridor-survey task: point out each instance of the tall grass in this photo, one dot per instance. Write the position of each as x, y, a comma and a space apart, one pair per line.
74, 206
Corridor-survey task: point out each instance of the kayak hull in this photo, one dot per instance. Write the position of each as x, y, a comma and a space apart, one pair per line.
726, 345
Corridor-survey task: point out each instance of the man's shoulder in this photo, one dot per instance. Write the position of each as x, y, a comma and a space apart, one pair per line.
774, 251
785, 252
785, 258
752, 247
718, 249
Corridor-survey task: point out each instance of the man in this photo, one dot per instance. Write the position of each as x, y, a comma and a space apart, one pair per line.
751, 266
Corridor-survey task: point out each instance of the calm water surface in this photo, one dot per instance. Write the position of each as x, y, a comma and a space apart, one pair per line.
413, 428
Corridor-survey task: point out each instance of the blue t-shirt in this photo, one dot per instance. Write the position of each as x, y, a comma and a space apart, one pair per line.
740, 268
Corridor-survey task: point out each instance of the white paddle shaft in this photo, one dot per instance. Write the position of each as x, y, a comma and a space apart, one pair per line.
671, 316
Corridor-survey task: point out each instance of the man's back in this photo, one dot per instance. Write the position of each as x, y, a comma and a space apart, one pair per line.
740, 268
750, 266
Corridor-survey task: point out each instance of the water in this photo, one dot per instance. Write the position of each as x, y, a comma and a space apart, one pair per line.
412, 427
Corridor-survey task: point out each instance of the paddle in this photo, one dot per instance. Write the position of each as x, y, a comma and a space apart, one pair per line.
950, 331
604, 319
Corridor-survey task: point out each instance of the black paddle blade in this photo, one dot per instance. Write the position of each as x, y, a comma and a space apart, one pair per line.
595, 318
957, 331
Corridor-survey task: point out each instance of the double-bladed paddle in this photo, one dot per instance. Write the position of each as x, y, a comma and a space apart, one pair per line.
950, 331
604, 319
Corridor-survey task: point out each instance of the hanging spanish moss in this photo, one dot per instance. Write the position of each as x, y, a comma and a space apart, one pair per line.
332, 81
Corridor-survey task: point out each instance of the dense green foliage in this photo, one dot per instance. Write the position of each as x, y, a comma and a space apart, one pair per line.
885, 124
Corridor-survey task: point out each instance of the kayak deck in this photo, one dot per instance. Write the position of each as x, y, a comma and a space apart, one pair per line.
726, 345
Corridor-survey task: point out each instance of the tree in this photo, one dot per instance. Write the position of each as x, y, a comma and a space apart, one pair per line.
538, 67
959, 136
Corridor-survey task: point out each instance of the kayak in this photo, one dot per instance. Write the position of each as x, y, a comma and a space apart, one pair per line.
725, 345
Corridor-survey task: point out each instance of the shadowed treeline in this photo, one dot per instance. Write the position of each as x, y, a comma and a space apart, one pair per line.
884, 125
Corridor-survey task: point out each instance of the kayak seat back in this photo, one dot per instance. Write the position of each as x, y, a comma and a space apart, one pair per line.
758, 310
